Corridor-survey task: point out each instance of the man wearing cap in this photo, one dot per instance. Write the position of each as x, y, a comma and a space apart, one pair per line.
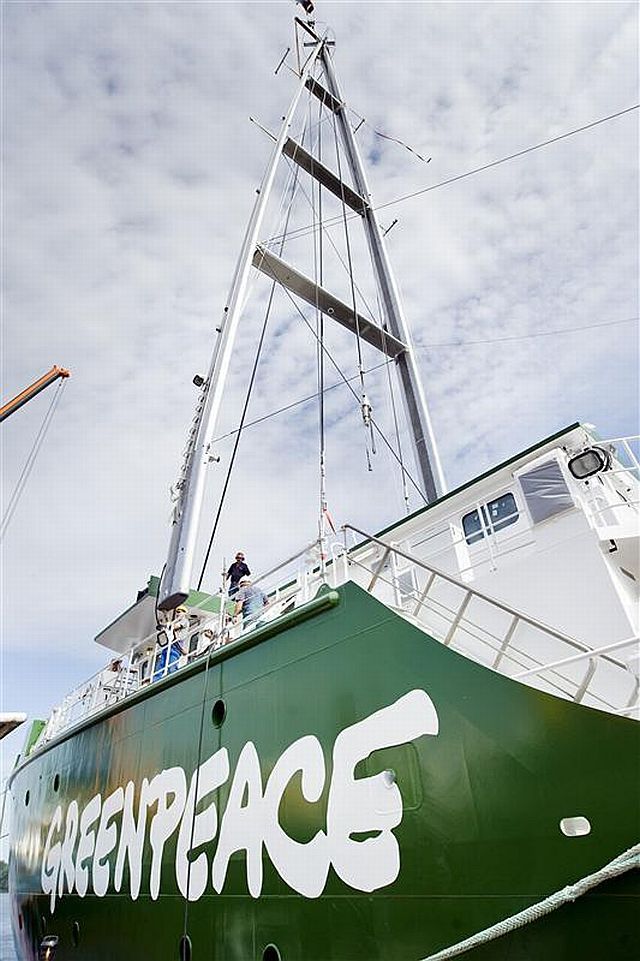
249, 600
237, 570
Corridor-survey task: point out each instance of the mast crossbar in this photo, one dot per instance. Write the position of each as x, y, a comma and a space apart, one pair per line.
324, 176
317, 296
323, 95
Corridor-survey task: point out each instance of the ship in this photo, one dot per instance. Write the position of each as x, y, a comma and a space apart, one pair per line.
423, 745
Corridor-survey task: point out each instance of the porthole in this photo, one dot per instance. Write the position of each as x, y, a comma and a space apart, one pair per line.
75, 933
218, 713
576, 827
271, 953
184, 951
26, 799
56, 783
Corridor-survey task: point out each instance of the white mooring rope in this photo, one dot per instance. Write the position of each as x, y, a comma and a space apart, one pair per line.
624, 862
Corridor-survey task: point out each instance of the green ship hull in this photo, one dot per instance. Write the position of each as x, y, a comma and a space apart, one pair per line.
425, 806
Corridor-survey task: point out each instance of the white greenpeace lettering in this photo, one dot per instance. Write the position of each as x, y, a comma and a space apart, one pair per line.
241, 828
132, 839
372, 803
169, 784
51, 860
104, 839
197, 828
303, 866
67, 867
86, 843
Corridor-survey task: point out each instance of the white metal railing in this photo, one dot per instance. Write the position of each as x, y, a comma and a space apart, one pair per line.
175, 644
507, 640
494, 633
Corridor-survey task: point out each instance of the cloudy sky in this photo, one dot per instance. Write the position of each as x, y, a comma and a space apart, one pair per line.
130, 170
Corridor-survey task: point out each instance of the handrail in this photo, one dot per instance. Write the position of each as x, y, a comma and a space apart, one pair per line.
595, 652
487, 598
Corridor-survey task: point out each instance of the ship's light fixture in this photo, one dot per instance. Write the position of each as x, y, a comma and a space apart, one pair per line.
589, 462
48, 947
75, 933
185, 948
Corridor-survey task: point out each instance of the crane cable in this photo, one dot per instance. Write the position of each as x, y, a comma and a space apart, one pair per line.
30, 461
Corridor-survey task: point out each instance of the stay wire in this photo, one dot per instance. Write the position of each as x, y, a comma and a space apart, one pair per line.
31, 459
354, 298
246, 400
327, 236
405, 489
346, 381
536, 333
300, 401
322, 494
476, 170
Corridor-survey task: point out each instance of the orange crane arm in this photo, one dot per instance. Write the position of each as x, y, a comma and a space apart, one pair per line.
29, 392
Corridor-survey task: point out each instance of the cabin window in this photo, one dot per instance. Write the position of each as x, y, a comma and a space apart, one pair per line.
496, 515
545, 491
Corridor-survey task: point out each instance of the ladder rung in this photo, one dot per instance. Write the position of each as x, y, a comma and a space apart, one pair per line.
323, 94
325, 176
318, 297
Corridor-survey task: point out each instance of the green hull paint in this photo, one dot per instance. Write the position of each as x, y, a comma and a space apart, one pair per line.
479, 838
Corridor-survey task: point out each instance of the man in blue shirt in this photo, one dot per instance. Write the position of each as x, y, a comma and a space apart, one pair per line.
249, 601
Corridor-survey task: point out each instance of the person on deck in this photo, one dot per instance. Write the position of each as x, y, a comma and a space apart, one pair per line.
249, 601
237, 570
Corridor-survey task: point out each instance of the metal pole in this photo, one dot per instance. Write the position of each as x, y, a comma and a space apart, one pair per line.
415, 403
176, 582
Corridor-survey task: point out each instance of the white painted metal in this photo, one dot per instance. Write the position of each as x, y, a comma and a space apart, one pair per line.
494, 631
423, 437
176, 581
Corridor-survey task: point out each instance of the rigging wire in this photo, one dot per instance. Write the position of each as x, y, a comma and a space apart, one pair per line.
298, 403
318, 258
370, 312
31, 459
300, 232
247, 395
537, 333
365, 406
347, 382
386, 136
396, 425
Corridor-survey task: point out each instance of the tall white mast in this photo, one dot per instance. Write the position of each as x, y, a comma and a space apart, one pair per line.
392, 339
424, 444
176, 580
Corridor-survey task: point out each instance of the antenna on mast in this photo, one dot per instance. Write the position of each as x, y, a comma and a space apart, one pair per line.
307, 5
